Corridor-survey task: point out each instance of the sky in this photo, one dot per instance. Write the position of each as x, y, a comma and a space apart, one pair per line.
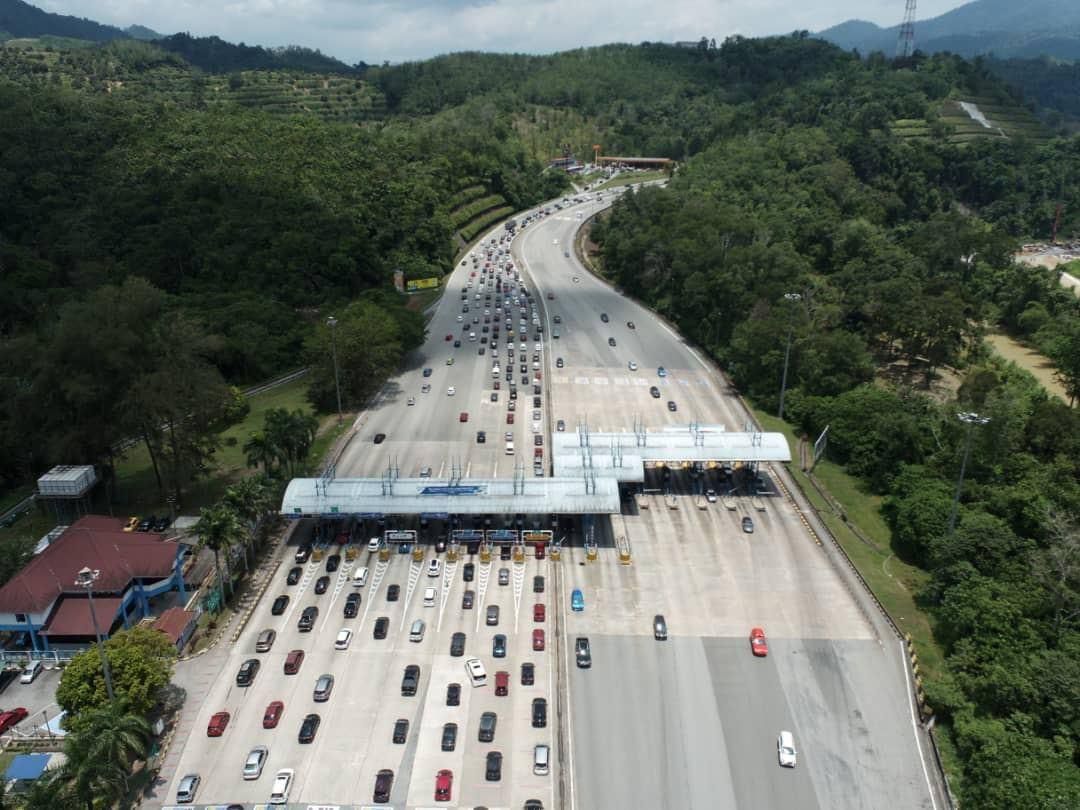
375, 31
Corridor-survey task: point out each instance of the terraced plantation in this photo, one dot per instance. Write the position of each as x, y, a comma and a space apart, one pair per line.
1003, 120
472, 210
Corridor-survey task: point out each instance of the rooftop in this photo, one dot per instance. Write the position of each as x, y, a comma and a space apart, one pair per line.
95, 542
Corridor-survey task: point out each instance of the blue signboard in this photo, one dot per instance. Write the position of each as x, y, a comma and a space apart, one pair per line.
434, 516
467, 534
502, 534
369, 515
455, 490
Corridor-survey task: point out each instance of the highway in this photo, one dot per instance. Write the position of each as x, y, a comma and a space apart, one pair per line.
690, 722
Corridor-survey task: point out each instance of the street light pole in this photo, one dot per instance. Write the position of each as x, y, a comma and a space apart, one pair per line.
332, 323
86, 579
792, 297
969, 419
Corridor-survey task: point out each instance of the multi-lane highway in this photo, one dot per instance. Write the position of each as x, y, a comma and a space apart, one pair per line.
690, 722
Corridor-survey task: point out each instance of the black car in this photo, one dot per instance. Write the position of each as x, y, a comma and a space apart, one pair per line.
457, 645
467, 600
630, 325
392, 593
453, 694
382, 624
671, 405
352, 605
307, 619
505, 551
384, 783
604, 317
655, 392
379, 438
410, 681
481, 437
309, 727
247, 672
457, 343
279, 605
294, 575
536, 402
427, 372
611, 341
333, 562
401, 731
498, 646
440, 545
488, 722
538, 584
147, 523
321, 584
302, 554
161, 524
493, 768
528, 674
469, 572
449, 736
539, 713
559, 362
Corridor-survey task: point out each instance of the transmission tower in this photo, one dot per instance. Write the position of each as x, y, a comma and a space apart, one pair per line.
905, 43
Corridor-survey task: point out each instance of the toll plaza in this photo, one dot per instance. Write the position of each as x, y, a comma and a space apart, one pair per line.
593, 473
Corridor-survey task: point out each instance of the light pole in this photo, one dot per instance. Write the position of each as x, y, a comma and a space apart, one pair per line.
332, 323
86, 579
969, 419
792, 297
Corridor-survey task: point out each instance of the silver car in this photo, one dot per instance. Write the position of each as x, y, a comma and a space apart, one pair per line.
253, 765
504, 576
323, 687
188, 787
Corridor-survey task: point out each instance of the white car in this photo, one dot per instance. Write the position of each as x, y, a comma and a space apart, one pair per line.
632, 365
710, 495
373, 544
412, 400
785, 749
343, 639
433, 568
451, 391
425, 388
460, 318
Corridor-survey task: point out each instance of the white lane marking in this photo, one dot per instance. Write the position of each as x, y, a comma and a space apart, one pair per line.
569, 701
442, 467
915, 727
415, 568
449, 569
468, 469
483, 573
301, 588
600, 380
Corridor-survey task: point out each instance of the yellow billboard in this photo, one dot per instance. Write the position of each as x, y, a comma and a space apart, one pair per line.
421, 284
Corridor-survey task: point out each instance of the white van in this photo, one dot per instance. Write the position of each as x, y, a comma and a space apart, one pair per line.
476, 672
359, 577
509, 448
472, 336
416, 632
279, 793
541, 760
429, 596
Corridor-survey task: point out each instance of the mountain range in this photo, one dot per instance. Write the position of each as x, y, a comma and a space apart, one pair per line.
19, 19
1005, 28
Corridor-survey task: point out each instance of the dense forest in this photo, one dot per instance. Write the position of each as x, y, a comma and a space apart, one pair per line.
149, 236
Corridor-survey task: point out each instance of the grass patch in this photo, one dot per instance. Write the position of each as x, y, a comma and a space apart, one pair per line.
136, 486
422, 299
1030, 360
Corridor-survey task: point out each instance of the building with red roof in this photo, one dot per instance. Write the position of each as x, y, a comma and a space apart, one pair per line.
44, 601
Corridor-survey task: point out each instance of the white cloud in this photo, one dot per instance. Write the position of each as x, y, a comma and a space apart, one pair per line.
378, 30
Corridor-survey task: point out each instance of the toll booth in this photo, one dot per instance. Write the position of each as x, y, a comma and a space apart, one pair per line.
540, 539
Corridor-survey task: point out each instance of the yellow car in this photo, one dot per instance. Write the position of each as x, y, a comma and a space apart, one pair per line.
132, 524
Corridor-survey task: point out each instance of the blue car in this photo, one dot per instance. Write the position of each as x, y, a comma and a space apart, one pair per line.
662, 371
577, 601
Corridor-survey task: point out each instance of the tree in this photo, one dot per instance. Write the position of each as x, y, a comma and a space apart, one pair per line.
250, 499
1065, 352
141, 662
258, 449
291, 436
219, 529
101, 752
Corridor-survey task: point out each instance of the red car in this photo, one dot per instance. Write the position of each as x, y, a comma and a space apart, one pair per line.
758, 645
538, 612
444, 783
273, 714
449, 337
12, 717
538, 640
539, 551
217, 724
464, 417
509, 418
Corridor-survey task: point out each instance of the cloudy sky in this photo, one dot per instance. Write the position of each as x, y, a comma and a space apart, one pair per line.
376, 30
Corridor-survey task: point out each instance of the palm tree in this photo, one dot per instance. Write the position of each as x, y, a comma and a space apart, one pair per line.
292, 434
250, 500
50, 791
219, 529
102, 750
259, 449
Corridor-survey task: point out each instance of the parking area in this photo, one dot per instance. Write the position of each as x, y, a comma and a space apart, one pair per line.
355, 736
